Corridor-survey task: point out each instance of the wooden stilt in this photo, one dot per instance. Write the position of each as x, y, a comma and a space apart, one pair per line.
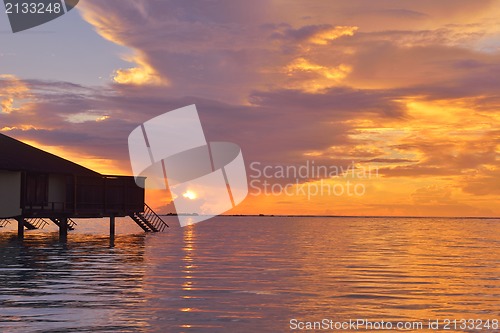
112, 230
63, 229
112, 226
20, 227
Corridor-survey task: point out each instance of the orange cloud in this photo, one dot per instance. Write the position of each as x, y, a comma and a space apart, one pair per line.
110, 27
313, 77
326, 36
143, 74
12, 91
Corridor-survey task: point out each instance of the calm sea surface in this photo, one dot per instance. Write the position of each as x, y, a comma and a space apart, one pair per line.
250, 274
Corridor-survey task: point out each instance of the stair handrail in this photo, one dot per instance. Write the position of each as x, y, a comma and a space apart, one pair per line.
37, 222
4, 222
154, 218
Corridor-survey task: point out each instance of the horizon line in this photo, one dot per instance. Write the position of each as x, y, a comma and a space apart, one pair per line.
348, 216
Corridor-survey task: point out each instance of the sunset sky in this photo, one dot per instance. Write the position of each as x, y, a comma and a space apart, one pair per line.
409, 87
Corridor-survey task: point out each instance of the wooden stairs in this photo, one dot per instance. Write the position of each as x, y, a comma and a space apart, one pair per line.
148, 220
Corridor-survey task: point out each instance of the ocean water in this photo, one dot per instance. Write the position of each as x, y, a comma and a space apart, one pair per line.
253, 274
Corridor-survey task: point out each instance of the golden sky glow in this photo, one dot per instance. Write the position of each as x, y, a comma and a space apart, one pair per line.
101, 165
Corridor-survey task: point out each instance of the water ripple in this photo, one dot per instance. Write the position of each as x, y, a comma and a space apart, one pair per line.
241, 274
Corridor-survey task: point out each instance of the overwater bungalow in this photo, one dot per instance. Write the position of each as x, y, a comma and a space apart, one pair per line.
37, 187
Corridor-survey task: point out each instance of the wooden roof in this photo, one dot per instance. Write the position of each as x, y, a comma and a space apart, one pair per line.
18, 156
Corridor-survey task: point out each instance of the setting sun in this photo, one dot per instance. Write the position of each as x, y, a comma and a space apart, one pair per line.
189, 195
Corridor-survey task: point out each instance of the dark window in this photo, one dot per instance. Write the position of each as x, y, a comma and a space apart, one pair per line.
37, 189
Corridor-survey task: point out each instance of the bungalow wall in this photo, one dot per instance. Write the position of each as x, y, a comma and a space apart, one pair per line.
81, 196
10, 194
51, 195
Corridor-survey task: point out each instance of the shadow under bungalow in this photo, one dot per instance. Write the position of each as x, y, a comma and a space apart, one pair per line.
37, 188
